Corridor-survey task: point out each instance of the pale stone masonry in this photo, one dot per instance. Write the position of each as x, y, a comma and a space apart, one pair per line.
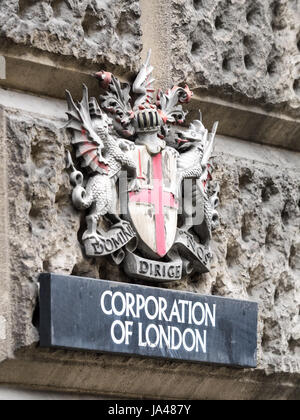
242, 60
5, 289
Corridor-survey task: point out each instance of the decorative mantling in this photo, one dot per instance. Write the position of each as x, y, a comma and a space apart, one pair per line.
147, 179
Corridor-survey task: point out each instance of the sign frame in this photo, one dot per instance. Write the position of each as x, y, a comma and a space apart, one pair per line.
227, 328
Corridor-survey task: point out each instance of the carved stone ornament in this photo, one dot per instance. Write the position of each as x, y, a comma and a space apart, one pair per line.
145, 183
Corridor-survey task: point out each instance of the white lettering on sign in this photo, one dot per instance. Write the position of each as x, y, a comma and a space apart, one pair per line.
156, 335
121, 331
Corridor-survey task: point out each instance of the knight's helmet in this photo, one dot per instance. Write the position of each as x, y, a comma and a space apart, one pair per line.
147, 119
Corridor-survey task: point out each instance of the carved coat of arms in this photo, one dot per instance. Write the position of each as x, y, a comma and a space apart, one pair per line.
145, 182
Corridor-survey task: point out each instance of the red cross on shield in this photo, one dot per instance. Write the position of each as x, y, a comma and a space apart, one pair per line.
154, 209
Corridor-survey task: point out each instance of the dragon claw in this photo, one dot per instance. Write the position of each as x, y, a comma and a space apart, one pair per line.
90, 235
134, 186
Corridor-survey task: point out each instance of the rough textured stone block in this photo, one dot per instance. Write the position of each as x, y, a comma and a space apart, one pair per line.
257, 250
44, 225
5, 309
247, 50
93, 30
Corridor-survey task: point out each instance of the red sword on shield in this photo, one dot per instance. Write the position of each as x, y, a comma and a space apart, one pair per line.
159, 199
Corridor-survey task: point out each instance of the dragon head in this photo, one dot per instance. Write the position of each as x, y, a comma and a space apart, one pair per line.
194, 136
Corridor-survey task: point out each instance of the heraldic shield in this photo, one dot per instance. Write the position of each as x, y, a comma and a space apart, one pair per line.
153, 210
134, 160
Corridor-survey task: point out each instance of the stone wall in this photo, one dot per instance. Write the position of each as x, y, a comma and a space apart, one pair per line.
88, 29
246, 49
240, 58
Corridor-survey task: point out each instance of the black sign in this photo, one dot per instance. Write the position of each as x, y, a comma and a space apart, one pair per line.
106, 316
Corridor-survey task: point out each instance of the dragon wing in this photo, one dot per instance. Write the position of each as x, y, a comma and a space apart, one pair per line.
207, 155
143, 84
209, 146
86, 141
